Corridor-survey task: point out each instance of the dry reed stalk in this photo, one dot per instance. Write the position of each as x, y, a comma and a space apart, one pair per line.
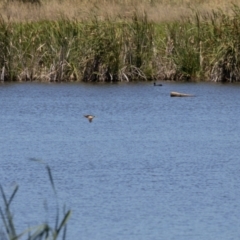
157, 10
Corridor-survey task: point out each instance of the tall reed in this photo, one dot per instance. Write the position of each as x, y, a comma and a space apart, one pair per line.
205, 47
66, 50
199, 47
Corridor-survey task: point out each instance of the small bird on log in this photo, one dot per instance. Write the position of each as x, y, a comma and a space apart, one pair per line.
155, 84
89, 117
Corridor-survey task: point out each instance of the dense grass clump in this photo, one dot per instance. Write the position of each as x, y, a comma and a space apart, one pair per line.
212, 46
65, 50
202, 46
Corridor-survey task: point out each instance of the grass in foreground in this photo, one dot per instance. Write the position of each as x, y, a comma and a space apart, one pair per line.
41, 232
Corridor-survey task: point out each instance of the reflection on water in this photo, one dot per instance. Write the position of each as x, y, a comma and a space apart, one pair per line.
147, 167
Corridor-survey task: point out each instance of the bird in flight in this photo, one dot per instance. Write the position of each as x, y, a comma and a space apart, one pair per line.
89, 117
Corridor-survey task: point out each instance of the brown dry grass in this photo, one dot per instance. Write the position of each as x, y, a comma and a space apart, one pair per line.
157, 10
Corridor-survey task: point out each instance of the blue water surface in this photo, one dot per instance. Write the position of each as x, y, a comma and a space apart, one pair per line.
149, 167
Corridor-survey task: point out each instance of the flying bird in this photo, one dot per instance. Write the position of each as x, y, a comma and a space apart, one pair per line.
89, 117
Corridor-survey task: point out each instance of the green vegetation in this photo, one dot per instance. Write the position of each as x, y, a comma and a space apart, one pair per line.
41, 232
203, 46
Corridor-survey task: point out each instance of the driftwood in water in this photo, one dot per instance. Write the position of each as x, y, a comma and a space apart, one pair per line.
177, 94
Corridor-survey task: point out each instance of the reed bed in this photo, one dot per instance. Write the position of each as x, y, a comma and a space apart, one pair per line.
66, 50
200, 46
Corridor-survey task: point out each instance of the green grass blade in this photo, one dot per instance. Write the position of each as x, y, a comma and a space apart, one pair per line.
3, 196
40, 232
13, 194
37, 160
8, 221
4, 220
64, 221
51, 179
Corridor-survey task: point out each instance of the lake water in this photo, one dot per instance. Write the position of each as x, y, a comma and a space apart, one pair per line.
149, 167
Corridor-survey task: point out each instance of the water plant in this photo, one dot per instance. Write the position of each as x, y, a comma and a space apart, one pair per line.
41, 232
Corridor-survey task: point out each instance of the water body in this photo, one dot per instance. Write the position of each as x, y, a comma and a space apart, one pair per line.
148, 167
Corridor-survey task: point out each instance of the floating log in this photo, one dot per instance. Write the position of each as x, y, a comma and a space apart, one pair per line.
177, 94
